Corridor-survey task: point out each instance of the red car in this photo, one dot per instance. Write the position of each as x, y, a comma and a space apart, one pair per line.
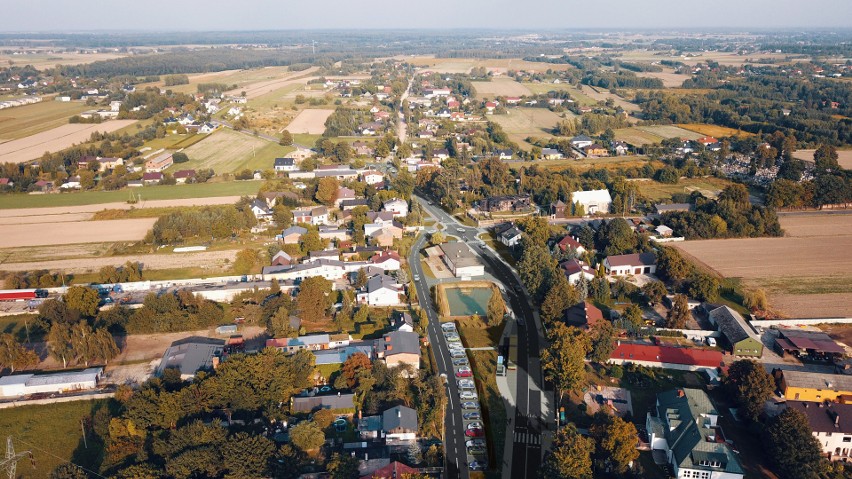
474, 433
464, 373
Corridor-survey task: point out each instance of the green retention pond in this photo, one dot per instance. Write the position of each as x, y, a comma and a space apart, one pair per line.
468, 301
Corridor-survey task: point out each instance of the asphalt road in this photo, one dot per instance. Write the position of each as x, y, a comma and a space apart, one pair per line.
528, 421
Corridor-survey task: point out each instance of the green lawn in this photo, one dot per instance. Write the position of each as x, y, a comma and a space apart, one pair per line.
171, 192
227, 151
581, 98
17, 326
53, 433
655, 190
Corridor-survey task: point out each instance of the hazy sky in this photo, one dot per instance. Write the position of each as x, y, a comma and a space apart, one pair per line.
88, 15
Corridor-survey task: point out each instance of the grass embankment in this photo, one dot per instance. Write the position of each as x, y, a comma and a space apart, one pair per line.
165, 192
54, 435
475, 334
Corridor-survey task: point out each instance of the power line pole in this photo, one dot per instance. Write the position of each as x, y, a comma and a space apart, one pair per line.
10, 462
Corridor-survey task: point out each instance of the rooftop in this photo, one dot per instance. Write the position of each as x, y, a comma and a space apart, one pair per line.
802, 379
635, 259
191, 355
460, 253
732, 325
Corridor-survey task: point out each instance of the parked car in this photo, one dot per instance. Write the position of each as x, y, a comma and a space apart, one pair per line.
474, 425
460, 362
448, 326
453, 337
472, 416
464, 373
458, 354
476, 450
474, 433
477, 466
468, 395
475, 442
466, 384
470, 405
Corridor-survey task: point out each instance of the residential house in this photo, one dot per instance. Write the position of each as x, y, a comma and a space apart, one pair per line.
282, 259
183, 176
191, 355
260, 210
381, 290
394, 470
363, 149
285, 164
384, 236
399, 423
317, 215
504, 154
684, 427
581, 141
513, 100
402, 321
594, 201
333, 233
460, 260
6, 182
559, 210
511, 237
831, 425
43, 185
595, 150
570, 244
343, 194
159, 162
740, 337
575, 270
620, 148
372, 177
347, 205
293, 234
583, 315
273, 198
72, 183
551, 154
311, 342
399, 347
629, 264
397, 206
663, 231
506, 203
104, 164
152, 178
333, 254
339, 403
666, 357
814, 387
387, 260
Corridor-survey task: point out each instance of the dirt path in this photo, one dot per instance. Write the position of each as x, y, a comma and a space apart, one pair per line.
214, 260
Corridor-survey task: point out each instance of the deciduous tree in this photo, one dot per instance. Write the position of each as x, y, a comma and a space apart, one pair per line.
82, 299
14, 355
571, 456
791, 446
563, 361
752, 386
307, 436
496, 308
602, 336
327, 190
616, 441
679, 314
314, 299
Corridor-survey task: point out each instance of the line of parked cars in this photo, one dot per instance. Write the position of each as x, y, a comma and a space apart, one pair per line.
474, 431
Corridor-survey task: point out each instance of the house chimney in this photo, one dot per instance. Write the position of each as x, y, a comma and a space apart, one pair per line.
399, 413
680, 393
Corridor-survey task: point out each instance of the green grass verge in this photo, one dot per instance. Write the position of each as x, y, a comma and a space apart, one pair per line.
54, 435
17, 326
170, 192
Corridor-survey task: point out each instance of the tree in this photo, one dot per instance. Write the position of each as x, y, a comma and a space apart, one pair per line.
314, 299
751, 385
616, 441
343, 466
571, 456
704, 287
247, 455
537, 269
756, 300
437, 238
602, 336
14, 355
353, 366
286, 138
68, 470
323, 418
87, 179
327, 190
560, 297
59, 342
791, 446
496, 308
82, 299
655, 291
619, 237
180, 157
633, 316
671, 265
282, 215
679, 314
563, 362
825, 158
307, 436
246, 260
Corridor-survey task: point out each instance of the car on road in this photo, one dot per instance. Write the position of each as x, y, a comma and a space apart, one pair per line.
464, 372
448, 326
460, 362
460, 230
474, 442
477, 466
477, 450
416, 277
458, 354
466, 383
470, 405
474, 425
473, 416
468, 395
474, 433
325, 389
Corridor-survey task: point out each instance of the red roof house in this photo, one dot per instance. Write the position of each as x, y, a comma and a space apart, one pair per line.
665, 356
394, 470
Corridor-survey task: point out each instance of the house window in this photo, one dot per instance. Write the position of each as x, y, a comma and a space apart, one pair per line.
847, 439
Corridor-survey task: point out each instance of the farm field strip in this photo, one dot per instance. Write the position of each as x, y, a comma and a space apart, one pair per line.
75, 232
311, 122
669, 131
213, 260
56, 139
254, 90
844, 157
500, 87
712, 130
23, 121
520, 123
636, 137
227, 151
16, 214
578, 96
669, 78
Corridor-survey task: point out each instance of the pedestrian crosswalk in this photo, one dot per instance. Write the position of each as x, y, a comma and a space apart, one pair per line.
527, 438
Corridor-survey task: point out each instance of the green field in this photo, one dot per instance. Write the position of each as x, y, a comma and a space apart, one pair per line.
581, 98
521, 123
23, 121
171, 192
637, 137
174, 142
54, 435
670, 131
709, 187
227, 151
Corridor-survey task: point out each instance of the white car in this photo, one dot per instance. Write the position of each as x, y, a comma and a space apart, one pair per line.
474, 425
466, 384
455, 347
453, 338
458, 354
448, 326
468, 395
460, 230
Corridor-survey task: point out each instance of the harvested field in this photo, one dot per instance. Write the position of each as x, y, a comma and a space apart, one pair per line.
521, 123
311, 122
670, 131
212, 260
48, 59
637, 137
670, 79
600, 94
75, 232
712, 130
709, 187
500, 87
277, 80
794, 271
23, 121
464, 65
581, 98
59, 138
227, 151
844, 157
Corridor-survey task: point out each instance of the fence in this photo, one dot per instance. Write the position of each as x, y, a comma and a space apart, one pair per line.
800, 322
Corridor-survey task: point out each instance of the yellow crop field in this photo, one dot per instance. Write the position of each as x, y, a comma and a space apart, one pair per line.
715, 131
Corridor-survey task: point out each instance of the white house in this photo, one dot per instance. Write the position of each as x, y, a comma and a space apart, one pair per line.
831, 425
315, 216
261, 210
372, 177
386, 260
628, 264
460, 260
285, 164
397, 206
595, 201
381, 290
72, 183
511, 236
575, 269
581, 141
